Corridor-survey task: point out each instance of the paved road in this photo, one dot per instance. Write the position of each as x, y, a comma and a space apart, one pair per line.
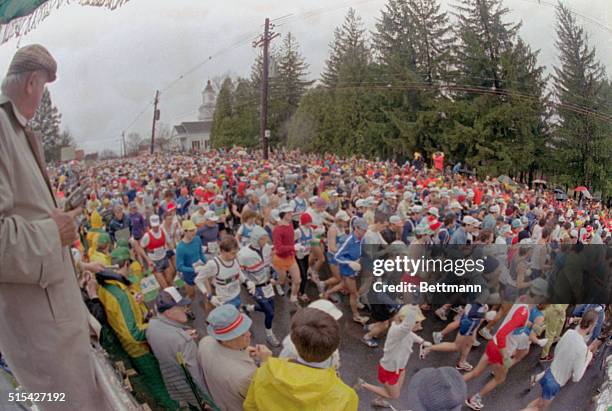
358, 360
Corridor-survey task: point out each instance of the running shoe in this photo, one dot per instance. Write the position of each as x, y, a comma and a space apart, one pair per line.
272, 340
476, 343
360, 319
441, 314
279, 290
423, 349
464, 366
249, 308
475, 402
360, 305
485, 333
369, 342
379, 402
437, 337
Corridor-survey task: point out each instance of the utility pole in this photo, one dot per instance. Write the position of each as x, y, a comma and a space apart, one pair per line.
155, 118
264, 41
123, 144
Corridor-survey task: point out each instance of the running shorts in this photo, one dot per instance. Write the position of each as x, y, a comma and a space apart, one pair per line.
388, 377
550, 386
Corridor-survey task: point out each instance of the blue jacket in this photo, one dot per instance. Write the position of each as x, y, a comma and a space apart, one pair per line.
349, 251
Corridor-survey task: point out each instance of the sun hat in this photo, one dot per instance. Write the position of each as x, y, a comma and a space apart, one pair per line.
516, 223
327, 307
437, 389
226, 323
188, 225
170, 297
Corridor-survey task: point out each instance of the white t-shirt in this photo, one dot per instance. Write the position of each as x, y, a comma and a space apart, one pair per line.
226, 278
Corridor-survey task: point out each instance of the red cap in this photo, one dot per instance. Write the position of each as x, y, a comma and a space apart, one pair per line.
305, 218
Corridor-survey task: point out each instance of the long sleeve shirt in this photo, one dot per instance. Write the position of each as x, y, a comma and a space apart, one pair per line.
283, 238
398, 345
187, 254
571, 358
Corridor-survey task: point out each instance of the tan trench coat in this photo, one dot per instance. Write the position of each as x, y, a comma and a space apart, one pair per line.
44, 331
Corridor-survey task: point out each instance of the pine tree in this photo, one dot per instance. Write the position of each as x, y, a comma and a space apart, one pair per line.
582, 141
483, 38
432, 39
46, 121
349, 56
288, 86
223, 110
393, 40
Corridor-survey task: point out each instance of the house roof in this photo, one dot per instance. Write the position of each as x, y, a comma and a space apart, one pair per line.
193, 127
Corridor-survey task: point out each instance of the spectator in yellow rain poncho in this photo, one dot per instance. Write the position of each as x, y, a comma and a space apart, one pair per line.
95, 230
101, 254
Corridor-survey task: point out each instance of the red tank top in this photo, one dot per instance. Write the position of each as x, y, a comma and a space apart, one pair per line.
155, 243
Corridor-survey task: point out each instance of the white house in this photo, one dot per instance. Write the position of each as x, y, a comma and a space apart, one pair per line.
195, 135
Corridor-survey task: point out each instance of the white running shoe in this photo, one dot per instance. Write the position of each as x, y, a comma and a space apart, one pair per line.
485, 333
437, 337
279, 290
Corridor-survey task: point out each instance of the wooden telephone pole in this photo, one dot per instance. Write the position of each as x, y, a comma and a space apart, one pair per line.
155, 118
264, 41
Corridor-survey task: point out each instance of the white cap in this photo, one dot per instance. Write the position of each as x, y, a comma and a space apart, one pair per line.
389, 194
270, 186
285, 208
360, 203
416, 208
469, 220
211, 216
574, 233
433, 211
343, 215
407, 195
494, 208
455, 204
282, 190
154, 220
327, 307
395, 219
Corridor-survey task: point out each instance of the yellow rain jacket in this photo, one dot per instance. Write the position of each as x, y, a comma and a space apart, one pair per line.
282, 385
125, 316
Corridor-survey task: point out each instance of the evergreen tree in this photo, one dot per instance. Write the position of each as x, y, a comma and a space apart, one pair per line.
287, 87
46, 121
393, 40
223, 110
349, 56
583, 141
432, 39
483, 38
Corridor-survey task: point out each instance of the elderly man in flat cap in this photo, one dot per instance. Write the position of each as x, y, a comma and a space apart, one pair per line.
44, 322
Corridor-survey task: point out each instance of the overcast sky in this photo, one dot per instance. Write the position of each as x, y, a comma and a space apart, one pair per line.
111, 62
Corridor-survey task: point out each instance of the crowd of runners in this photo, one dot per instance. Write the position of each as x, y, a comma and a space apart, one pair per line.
236, 233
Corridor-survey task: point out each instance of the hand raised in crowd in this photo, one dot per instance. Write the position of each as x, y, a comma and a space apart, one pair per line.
66, 225
260, 352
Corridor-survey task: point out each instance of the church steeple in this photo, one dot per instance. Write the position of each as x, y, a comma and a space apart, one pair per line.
209, 99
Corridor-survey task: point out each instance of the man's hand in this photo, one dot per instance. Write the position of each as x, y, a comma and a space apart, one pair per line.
260, 352
95, 267
66, 225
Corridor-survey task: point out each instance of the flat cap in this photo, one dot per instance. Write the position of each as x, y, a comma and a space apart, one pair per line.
31, 58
